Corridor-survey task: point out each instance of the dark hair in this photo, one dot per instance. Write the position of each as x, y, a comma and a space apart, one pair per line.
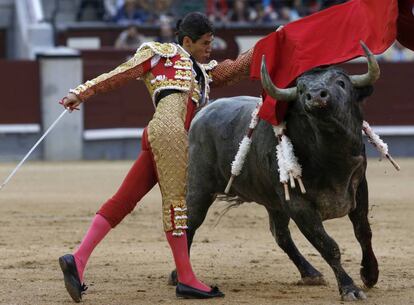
193, 25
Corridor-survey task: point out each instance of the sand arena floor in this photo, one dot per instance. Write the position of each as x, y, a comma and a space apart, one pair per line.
47, 207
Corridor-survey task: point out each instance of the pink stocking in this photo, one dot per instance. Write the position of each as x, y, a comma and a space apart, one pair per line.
97, 231
179, 248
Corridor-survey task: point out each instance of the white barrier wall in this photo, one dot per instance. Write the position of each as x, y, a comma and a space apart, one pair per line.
59, 73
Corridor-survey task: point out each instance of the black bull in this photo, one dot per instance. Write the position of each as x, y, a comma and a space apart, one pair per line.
324, 123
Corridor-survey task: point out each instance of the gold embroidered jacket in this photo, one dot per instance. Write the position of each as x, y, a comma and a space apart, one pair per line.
167, 66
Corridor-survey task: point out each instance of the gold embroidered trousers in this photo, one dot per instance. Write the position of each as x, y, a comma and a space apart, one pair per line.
169, 144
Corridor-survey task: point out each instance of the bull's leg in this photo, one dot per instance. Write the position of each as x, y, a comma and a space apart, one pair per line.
279, 226
359, 218
198, 204
310, 224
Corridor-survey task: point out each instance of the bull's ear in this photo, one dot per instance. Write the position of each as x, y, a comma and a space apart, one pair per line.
364, 92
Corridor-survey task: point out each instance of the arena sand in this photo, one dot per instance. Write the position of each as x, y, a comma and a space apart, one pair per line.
47, 207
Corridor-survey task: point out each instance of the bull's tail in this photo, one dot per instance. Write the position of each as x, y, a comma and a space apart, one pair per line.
234, 202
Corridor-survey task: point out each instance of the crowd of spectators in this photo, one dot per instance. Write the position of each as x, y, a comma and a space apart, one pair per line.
264, 11
150, 12
162, 13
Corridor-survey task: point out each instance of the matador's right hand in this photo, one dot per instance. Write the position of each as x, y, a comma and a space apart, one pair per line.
71, 101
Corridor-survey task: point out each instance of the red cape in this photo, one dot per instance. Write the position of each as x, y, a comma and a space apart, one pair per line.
329, 37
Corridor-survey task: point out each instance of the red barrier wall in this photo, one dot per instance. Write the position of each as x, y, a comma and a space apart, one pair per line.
131, 106
391, 104
20, 92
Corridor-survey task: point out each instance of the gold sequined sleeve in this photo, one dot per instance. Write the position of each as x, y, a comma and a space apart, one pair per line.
229, 72
134, 68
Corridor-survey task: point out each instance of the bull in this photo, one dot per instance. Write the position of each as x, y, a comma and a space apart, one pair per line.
324, 123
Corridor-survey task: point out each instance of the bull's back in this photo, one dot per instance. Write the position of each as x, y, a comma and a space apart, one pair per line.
223, 115
215, 134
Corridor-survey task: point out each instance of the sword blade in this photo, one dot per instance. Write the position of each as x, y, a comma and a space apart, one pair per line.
33, 148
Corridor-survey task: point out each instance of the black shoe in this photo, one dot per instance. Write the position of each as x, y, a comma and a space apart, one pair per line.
173, 278
71, 277
187, 292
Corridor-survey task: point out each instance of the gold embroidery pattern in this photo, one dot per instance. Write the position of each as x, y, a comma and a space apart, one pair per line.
165, 50
195, 96
185, 75
169, 145
211, 65
229, 72
183, 64
155, 85
127, 71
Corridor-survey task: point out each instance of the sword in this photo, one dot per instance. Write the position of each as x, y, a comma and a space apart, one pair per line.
33, 148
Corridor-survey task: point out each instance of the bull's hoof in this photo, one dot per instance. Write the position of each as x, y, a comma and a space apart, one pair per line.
312, 281
369, 276
352, 293
173, 279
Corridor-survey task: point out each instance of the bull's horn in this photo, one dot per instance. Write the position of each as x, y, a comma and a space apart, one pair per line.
373, 73
287, 95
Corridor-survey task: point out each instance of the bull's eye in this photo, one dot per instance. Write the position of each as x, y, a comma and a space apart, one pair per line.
341, 83
300, 91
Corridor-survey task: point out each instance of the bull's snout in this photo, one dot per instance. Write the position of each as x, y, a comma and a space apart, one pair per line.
317, 98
